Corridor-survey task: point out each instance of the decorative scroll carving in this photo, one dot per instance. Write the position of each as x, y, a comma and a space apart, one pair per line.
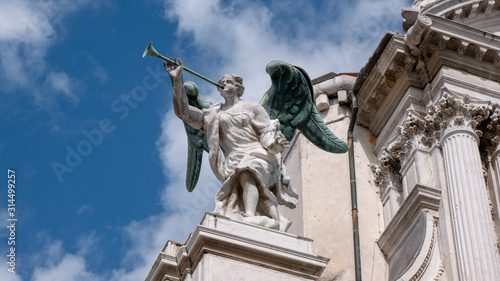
490, 141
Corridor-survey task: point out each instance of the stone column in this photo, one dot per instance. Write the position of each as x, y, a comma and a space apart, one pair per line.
473, 231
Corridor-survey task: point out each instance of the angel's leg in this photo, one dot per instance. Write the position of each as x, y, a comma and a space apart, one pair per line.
250, 192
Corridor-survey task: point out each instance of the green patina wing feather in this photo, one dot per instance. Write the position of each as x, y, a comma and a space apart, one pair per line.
290, 100
197, 141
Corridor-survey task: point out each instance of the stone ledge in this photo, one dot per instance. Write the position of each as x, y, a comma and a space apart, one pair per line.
421, 198
224, 240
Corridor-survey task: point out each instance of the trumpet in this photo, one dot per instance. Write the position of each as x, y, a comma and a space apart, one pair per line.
151, 51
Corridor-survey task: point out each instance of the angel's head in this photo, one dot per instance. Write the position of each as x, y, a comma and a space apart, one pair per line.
233, 85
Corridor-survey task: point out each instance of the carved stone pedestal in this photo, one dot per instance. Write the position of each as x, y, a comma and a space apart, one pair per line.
223, 249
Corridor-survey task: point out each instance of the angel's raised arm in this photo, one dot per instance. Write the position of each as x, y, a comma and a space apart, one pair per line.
187, 113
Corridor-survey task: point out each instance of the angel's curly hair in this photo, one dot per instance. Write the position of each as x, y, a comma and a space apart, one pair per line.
239, 82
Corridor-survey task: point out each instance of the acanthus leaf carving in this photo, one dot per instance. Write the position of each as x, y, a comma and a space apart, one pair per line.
412, 134
386, 173
419, 131
449, 114
490, 139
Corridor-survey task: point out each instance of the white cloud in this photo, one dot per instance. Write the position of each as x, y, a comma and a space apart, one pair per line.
60, 82
52, 262
84, 209
6, 275
71, 268
87, 245
27, 31
246, 35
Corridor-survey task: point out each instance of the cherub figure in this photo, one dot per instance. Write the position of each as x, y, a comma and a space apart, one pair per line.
245, 144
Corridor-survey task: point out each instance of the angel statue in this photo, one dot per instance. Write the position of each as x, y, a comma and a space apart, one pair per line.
244, 140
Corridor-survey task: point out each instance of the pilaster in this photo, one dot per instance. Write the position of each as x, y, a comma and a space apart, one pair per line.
490, 142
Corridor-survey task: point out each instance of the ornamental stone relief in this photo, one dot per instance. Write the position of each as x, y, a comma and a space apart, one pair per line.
449, 114
413, 133
417, 131
386, 173
490, 140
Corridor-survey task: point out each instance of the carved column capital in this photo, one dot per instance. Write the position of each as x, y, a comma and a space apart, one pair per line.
386, 173
450, 114
414, 133
491, 132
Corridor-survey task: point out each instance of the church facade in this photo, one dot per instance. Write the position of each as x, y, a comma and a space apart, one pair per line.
427, 160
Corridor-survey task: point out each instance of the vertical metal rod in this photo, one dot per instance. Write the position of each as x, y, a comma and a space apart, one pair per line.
354, 196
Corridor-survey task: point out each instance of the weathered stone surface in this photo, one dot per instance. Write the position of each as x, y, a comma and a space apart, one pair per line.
224, 249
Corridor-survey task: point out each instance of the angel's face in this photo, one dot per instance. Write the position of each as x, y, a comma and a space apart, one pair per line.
230, 88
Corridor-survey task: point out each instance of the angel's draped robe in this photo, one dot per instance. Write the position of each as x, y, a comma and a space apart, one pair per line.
243, 140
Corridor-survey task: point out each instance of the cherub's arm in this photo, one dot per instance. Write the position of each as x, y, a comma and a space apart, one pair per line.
271, 137
187, 113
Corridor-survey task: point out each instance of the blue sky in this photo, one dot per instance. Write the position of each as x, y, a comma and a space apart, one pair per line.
87, 123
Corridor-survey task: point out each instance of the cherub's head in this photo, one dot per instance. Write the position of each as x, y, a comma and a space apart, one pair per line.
233, 84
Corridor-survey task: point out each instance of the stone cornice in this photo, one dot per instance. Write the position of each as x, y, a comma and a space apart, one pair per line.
238, 241
464, 41
460, 83
396, 70
412, 101
375, 94
469, 11
459, 10
419, 199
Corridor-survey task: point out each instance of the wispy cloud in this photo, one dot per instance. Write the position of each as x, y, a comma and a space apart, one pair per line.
56, 84
84, 209
53, 262
98, 71
6, 275
27, 31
